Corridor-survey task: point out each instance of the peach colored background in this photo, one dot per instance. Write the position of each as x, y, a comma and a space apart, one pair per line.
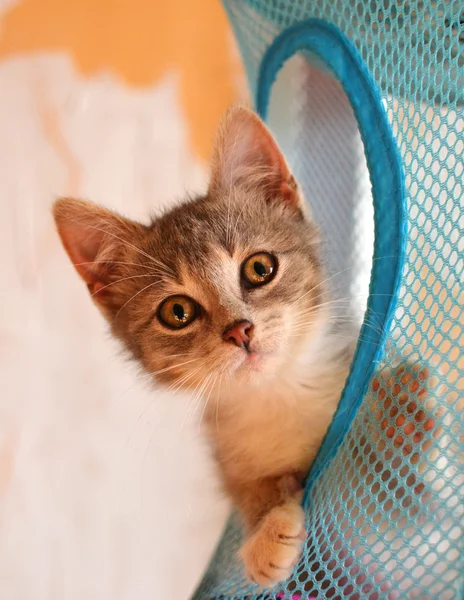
104, 492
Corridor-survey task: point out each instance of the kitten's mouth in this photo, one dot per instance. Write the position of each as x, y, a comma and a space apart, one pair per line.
254, 360
246, 360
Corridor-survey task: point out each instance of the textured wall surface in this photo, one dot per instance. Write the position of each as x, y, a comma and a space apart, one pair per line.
105, 491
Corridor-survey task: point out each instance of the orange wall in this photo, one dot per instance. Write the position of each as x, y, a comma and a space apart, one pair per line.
139, 40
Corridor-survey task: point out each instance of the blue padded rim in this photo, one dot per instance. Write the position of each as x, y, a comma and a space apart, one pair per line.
387, 179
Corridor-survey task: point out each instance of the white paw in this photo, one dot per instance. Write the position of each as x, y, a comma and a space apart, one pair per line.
271, 553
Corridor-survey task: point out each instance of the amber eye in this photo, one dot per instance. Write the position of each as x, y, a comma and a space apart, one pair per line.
259, 269
177, 312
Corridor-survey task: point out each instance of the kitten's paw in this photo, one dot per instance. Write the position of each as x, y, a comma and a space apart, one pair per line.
271, 553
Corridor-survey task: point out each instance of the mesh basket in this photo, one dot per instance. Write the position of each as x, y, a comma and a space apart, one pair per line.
373, 95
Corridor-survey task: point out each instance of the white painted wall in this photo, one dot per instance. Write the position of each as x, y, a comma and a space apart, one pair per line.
102, 494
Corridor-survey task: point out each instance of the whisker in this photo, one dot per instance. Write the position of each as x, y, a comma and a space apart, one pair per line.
344, 337
135, 295
371, 319
341, 319
166, 269
152, 436
362, 338
245, 205
176, 366
180, 381
340, 300
214, 380
119, 281
229, 200
200, 395
159, 420
194, 404
299, 325
148, 407
175, 355
114, 262
153, 402
303, 328
124, 392
364, 262
191, 400
217, 400
371, 314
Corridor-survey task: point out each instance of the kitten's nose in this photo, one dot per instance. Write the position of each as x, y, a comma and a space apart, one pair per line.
239, 333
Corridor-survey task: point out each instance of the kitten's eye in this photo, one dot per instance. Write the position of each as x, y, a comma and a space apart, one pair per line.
259, 269
177, 312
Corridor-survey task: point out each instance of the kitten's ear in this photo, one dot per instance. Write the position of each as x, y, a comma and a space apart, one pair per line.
95, 239
246, 154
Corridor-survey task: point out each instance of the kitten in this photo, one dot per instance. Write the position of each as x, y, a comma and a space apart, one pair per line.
225, 295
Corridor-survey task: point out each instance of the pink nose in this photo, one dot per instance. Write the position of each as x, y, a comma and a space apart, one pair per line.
239, 333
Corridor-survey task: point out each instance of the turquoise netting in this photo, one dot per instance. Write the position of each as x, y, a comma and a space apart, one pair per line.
385, 498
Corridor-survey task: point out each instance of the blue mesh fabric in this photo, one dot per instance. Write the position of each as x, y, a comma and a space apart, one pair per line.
385, 511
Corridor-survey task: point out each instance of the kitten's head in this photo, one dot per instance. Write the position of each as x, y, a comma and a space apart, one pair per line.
222, 287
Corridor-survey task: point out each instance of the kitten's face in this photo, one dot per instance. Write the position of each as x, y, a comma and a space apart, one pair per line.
222, 288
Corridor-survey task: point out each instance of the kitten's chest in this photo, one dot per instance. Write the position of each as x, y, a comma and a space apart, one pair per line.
273, 436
